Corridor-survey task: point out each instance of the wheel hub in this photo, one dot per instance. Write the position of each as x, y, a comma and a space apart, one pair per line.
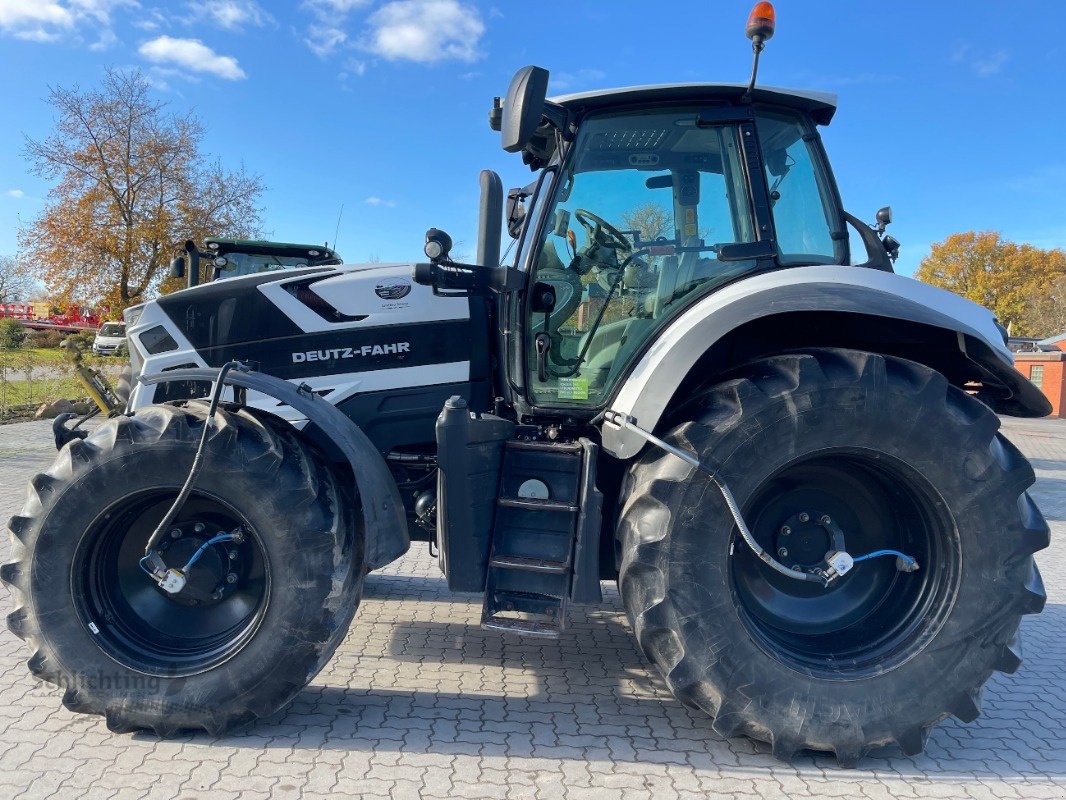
216, 573
800, 515
144, 627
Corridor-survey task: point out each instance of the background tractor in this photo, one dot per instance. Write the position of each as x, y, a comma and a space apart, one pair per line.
785, 454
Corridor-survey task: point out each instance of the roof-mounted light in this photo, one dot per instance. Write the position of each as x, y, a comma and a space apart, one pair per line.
761, 23
760, 28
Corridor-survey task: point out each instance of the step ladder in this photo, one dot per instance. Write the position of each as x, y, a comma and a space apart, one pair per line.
531, 560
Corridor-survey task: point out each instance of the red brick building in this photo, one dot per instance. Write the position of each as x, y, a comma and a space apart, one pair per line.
1045, 369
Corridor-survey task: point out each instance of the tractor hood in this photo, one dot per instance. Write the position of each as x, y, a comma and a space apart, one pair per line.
310, 325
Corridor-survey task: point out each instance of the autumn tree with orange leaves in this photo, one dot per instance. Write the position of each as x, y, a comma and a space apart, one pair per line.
132, 185
1014, 281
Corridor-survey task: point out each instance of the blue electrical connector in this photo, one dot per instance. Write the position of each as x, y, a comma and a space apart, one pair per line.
907, 563
217, 539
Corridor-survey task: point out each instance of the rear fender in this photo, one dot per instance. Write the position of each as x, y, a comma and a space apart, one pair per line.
975, 349
387, 537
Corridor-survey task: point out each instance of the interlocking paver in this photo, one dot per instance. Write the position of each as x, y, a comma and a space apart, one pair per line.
420, 702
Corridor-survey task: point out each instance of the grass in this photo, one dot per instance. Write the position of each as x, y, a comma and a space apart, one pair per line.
45, 355
31, 376
42, 390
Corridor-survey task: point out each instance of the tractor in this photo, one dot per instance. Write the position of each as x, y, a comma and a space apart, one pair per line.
785, 454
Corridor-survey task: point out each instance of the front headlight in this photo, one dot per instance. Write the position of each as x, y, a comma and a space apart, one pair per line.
132, 314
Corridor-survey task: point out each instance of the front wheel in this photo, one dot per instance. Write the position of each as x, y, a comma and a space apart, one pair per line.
885, 451
258, 617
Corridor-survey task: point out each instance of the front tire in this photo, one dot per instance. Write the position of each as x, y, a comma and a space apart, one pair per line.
257, 620
901, 460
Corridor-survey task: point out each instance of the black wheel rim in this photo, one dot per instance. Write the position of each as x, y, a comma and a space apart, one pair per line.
138, 624
873, 618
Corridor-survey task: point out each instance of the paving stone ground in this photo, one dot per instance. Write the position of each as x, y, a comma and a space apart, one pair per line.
419, 702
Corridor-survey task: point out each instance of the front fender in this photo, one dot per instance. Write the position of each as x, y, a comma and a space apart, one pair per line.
387, 537
655, 378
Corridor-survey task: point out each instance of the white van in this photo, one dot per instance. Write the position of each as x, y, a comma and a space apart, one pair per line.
109, 337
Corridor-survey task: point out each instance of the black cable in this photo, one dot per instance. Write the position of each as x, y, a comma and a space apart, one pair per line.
197, 461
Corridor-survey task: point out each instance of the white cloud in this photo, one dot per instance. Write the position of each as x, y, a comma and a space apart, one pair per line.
51, 20
36, 20
579, 79
232, 15
983, 64
337, 6
425, 31
192, 55
328, 18
380, 202
16, 193
324, 39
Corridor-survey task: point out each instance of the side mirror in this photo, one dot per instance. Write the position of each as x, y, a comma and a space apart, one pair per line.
542, 298
523, 108
516, 211
177, 267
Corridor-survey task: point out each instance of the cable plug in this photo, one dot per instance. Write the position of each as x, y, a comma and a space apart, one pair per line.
906, 564
840, 563
173, 581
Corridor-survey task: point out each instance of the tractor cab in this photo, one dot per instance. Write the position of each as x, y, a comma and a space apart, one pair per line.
650, 198
232, 258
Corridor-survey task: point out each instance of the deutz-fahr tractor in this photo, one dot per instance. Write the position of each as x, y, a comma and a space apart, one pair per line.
786, 455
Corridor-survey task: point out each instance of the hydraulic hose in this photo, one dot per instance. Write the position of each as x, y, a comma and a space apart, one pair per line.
198, 459
621, 420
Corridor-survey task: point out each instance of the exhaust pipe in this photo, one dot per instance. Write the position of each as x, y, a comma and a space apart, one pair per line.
490, 222
194, 262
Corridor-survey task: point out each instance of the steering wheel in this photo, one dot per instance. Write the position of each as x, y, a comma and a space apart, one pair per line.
601, 231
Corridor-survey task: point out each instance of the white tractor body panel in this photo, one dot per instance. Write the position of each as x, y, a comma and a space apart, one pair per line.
652, 382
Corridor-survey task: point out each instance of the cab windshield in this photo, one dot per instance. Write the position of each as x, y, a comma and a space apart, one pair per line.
248, 264
652, 210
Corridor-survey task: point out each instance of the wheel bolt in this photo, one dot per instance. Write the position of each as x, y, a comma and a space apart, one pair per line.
198, 527
796, 567
805, 517
783, 552
175, 534
785, 530
825, 520
231, 578
232, 554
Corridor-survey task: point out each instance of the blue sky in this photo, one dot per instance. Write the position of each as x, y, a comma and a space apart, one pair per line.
951, 112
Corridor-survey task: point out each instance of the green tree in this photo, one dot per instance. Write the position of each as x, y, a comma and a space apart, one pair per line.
1002, 276
12, 334
132, 185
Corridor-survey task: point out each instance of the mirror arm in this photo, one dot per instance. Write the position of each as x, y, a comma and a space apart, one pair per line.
877, 257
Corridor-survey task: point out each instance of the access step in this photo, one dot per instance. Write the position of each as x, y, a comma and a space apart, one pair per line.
530, 564
536, 504
546, 630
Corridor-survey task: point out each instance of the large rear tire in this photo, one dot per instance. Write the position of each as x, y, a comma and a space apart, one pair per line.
900, 459
258, 618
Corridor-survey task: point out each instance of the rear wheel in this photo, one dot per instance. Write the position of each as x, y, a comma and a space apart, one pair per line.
884, 452
257, 619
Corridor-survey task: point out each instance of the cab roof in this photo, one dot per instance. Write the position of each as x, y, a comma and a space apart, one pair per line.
262, 247
820, 105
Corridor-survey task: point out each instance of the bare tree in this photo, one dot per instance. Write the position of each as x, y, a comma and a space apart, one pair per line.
651, 219
16, 284
131, 186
